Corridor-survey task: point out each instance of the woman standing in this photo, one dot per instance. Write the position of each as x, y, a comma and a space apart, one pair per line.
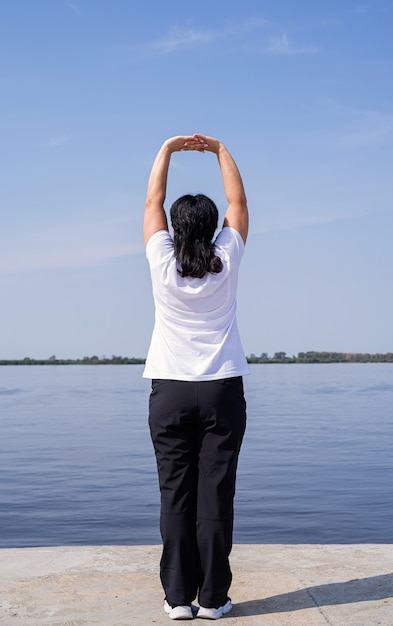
197, 410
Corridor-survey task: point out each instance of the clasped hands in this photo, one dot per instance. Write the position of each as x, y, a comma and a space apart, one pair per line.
196, 142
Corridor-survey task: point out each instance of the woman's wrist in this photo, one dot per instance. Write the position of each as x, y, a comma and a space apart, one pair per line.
167, 146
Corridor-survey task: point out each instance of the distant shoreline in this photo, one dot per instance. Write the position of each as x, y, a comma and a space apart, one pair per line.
278, 357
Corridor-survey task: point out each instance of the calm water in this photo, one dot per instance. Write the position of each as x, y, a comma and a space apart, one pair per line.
77, 465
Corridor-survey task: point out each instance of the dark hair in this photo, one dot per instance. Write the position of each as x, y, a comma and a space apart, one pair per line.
194, 220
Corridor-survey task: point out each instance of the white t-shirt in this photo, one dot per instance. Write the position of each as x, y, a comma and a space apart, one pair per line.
195, 335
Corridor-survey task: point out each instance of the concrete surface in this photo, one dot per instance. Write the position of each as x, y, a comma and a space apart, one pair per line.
274, 585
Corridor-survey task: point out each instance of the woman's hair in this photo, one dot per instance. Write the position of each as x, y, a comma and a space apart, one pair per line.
194, 221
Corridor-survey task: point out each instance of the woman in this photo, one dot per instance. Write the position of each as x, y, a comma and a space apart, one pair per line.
197, 411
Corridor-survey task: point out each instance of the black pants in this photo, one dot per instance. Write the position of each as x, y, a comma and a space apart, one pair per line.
197, 430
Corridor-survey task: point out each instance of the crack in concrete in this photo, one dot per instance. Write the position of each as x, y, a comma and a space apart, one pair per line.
317, 606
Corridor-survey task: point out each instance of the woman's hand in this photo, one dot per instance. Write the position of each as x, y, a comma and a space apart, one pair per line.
196, 142
185, 142
211, 144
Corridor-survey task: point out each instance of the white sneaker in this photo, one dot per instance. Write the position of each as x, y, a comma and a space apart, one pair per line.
178, 612
214, 613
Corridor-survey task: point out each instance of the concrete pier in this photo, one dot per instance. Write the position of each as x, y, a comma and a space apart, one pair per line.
273, 585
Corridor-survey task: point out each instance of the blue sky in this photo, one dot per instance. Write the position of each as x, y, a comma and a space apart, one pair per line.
300, 92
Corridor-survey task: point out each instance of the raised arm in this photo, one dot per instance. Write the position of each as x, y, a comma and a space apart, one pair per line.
155, 216
236, 215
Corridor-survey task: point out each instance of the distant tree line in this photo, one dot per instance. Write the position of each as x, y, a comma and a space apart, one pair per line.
86, 360
322, 357
278, 357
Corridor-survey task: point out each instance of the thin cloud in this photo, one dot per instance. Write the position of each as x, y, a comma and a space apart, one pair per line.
179, 37
356, 127
361, 9
281, 46
58, 140
374, 131
285, 222
370, 128
74, 8
78, 244
183, 37
365, 9
386, 8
